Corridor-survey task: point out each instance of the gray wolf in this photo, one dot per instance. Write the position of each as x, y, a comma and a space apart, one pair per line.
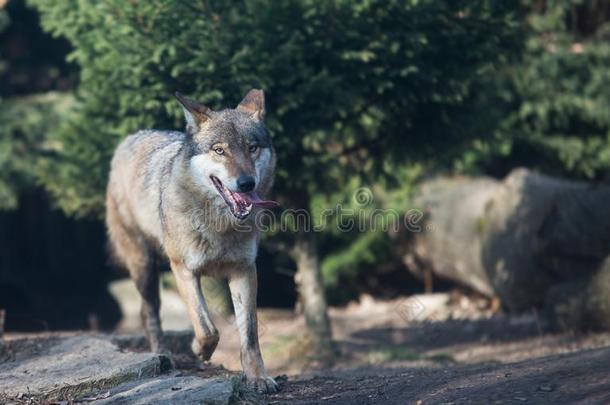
219, 169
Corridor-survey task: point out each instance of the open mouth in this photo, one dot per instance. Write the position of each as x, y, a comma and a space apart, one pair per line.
241, 204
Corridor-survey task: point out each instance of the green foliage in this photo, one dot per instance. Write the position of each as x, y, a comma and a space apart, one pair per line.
4, 20
552, 105
357, 242
23, 141
348, 82
350, 262
31, 64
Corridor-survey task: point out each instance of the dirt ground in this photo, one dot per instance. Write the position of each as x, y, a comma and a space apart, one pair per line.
429, 351
443, 348
576, 378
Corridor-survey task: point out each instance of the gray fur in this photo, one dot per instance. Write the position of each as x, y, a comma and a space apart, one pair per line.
160, 196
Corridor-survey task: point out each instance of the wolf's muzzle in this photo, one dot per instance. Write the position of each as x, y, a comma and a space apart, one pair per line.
245, 183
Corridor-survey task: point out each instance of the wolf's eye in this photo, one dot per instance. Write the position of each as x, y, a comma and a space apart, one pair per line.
253, 148
219, 150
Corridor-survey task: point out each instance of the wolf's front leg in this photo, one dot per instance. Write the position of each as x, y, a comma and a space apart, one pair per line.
242, 283
206, 334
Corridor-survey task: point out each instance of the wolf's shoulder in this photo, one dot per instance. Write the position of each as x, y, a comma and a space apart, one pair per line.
147, 144
152, 136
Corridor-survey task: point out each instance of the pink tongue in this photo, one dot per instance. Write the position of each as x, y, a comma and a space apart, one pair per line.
255, 200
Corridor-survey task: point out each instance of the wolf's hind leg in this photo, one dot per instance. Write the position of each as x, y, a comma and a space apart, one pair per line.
206, 334
147, 283
146, 279
135, 254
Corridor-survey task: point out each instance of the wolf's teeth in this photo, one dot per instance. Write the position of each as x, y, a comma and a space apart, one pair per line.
239, 206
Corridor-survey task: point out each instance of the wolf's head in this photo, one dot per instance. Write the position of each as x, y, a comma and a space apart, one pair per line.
231, 151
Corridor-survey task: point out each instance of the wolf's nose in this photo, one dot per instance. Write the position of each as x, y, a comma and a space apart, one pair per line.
245, 183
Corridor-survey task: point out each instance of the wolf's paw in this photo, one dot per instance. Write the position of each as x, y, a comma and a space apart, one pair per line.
166, 362
204, 348
263, 385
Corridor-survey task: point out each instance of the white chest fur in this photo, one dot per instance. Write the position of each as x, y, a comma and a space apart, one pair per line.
213, 253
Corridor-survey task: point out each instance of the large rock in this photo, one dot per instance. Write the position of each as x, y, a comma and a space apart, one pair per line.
175, 390
542, 231
94, 369
451, 243
64, 369
581, 305
518, 239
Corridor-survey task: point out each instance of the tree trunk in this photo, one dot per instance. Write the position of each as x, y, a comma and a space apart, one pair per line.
311, 290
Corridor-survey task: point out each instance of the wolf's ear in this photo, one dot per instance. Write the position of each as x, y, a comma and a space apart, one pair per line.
254, 104
196, 114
